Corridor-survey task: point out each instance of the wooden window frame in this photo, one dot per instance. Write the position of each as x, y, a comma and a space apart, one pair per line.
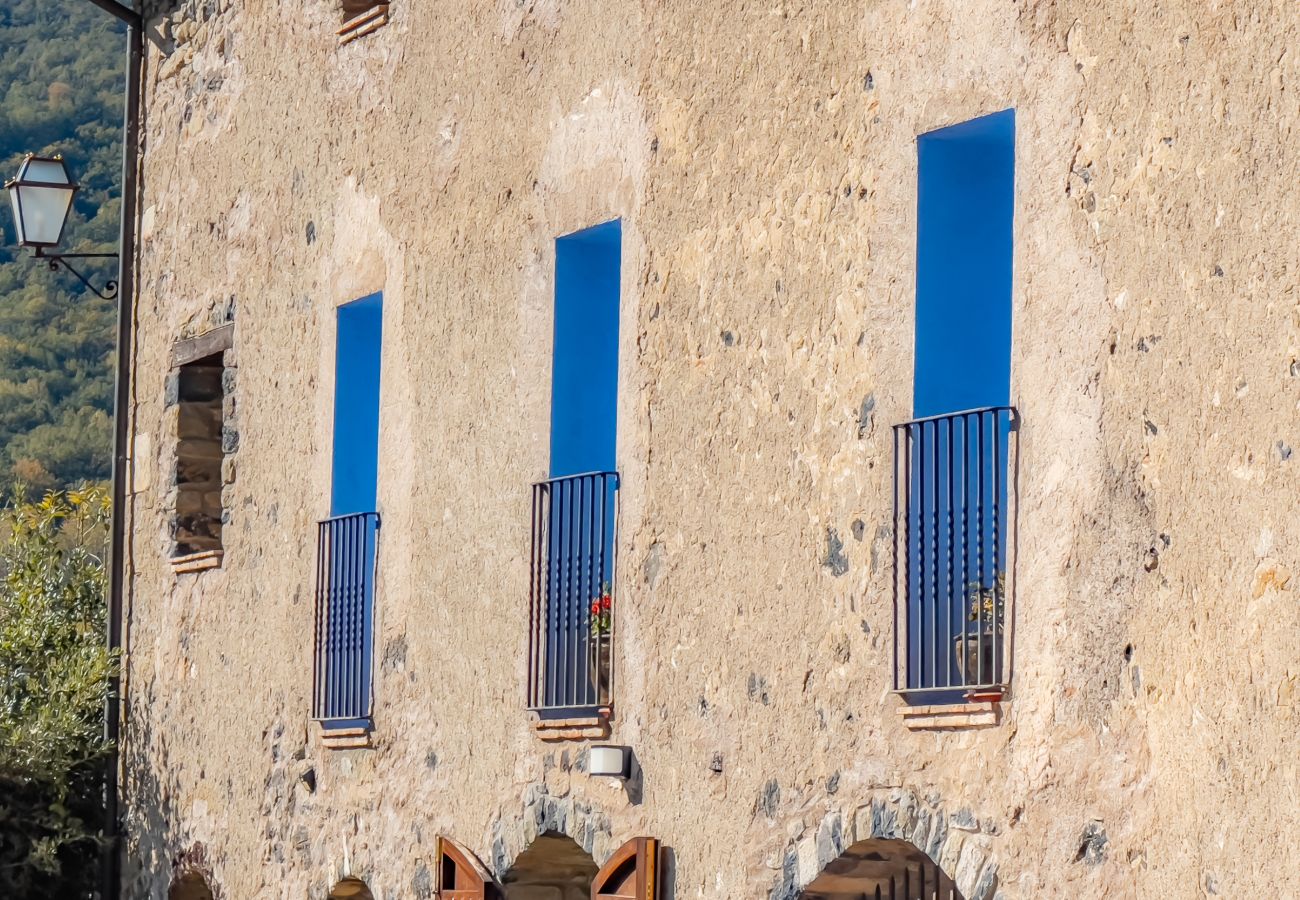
364, 23
631, 873
470, 879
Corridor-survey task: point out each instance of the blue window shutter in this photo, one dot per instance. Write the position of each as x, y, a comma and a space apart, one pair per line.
584, 379
965, 199
356, 406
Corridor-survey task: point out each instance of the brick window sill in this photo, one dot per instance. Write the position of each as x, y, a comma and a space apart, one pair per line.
197, 562
345, 738
581, 728
952, 717
359, 26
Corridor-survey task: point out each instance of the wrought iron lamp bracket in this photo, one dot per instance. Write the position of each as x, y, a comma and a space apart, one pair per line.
55, 260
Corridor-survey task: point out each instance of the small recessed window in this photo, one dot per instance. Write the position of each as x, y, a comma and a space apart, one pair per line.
200, 388
361, 17
197, 526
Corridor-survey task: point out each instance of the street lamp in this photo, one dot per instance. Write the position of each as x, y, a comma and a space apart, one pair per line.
41, 196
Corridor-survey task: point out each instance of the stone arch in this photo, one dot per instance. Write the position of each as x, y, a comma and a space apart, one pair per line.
882, 869
190, 886
955, 840
351, 889
552, 867
545, 814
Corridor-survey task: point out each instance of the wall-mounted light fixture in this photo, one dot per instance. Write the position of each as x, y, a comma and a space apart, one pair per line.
610, 761
41, 196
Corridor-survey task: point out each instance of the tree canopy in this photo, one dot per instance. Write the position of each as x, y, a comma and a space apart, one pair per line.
62, 70
54, 670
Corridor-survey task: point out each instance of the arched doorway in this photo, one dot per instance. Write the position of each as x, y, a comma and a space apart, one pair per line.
882, 869
190, 886
553, 867
351, 889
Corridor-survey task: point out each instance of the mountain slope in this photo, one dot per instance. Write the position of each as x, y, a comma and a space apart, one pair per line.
61, 91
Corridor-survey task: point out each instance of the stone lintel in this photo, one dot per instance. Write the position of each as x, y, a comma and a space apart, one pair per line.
218, 340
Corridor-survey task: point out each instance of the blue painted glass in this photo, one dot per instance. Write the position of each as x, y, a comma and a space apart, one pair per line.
350, 539
584, 412
957, 476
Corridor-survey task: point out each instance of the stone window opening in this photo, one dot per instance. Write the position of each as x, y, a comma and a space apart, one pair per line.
361, 17
200, 387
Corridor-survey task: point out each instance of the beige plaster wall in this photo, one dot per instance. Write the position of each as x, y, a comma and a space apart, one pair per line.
761, 157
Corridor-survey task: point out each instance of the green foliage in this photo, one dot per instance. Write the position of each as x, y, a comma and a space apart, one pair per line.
61, 91
54, 670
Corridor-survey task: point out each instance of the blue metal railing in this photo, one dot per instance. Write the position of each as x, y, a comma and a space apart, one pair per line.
345, 601
571, 614
950, 559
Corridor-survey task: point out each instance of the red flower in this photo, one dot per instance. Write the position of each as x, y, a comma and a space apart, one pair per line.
595, 608
605, 602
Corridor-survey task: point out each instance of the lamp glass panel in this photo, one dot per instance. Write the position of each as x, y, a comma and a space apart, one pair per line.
18, 219
49, 171
41, 212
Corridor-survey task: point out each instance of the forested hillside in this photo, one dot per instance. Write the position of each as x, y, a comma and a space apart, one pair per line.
61, 79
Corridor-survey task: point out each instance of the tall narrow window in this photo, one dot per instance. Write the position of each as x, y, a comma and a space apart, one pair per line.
575, 510
347, 539
951, 460
201, 387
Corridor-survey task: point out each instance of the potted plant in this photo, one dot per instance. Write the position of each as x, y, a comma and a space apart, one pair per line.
974, 647
600, 642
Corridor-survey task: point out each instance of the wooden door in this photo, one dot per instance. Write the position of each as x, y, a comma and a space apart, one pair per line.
632, 873
461, 876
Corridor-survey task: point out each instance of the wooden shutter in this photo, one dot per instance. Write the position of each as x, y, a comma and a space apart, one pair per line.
461, 876
632, 873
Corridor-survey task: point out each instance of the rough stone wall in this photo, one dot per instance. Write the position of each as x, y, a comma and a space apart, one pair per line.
762, 158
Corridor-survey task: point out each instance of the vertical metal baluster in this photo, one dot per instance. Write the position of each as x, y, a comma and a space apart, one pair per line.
935, 491
345, 607
566, 590
922, 563
349, 654
359, 616
362, 583
578, 600
338, 615
602, 576
316, 655
952, 544
909, 445
979, 538
965, 546
359, 643
580, 530
552, 592
575, 586
995, 675
894, 525
584, 636
616, 506
532, 601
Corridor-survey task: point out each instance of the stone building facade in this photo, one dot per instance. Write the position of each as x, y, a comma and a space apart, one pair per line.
761, 159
